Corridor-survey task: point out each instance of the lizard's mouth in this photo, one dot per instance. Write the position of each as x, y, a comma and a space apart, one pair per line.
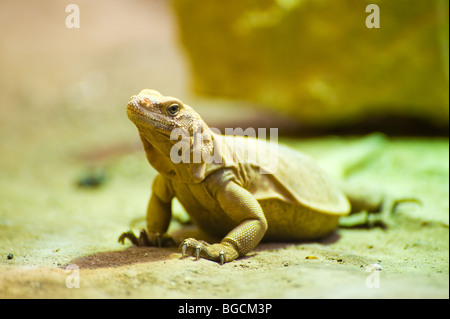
142, 116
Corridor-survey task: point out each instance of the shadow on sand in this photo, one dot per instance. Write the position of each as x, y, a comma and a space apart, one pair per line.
133, 254
128, 256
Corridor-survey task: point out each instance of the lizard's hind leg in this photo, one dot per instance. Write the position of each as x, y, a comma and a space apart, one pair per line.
370, 207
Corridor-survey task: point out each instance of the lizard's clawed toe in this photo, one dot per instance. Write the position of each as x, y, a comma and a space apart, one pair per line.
130, 235
222, 257
194, 247
146, 240
200, 249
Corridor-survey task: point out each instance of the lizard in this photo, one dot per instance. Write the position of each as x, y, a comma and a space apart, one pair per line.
232, 191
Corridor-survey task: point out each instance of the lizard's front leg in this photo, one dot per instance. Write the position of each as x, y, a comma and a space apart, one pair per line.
243, 207
159, 212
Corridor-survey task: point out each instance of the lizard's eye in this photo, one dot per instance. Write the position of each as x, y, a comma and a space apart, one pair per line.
173, 109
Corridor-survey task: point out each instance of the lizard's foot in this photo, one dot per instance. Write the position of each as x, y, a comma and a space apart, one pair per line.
221, 253
152, 239
383, 218
389, 206
386, 217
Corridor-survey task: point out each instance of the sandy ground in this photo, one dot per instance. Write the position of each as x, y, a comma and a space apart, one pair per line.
48, 222
63, 125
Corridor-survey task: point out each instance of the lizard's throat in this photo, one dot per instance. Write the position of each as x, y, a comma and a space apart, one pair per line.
159, 140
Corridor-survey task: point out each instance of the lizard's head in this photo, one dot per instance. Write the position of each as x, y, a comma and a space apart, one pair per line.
150, 110
156, 117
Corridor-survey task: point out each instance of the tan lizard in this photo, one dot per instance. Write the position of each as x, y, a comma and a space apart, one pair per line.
233, 191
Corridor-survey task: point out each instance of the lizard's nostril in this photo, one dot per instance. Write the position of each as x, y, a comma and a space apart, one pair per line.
136, 100
146, 102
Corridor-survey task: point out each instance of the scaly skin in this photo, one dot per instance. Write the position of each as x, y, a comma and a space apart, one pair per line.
228, 198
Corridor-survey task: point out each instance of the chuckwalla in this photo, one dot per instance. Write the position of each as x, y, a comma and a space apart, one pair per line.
231, 186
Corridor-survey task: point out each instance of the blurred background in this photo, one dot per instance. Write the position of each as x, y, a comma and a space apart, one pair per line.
302, 65
318, 63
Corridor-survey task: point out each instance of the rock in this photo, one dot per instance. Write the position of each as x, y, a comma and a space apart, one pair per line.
317, 61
